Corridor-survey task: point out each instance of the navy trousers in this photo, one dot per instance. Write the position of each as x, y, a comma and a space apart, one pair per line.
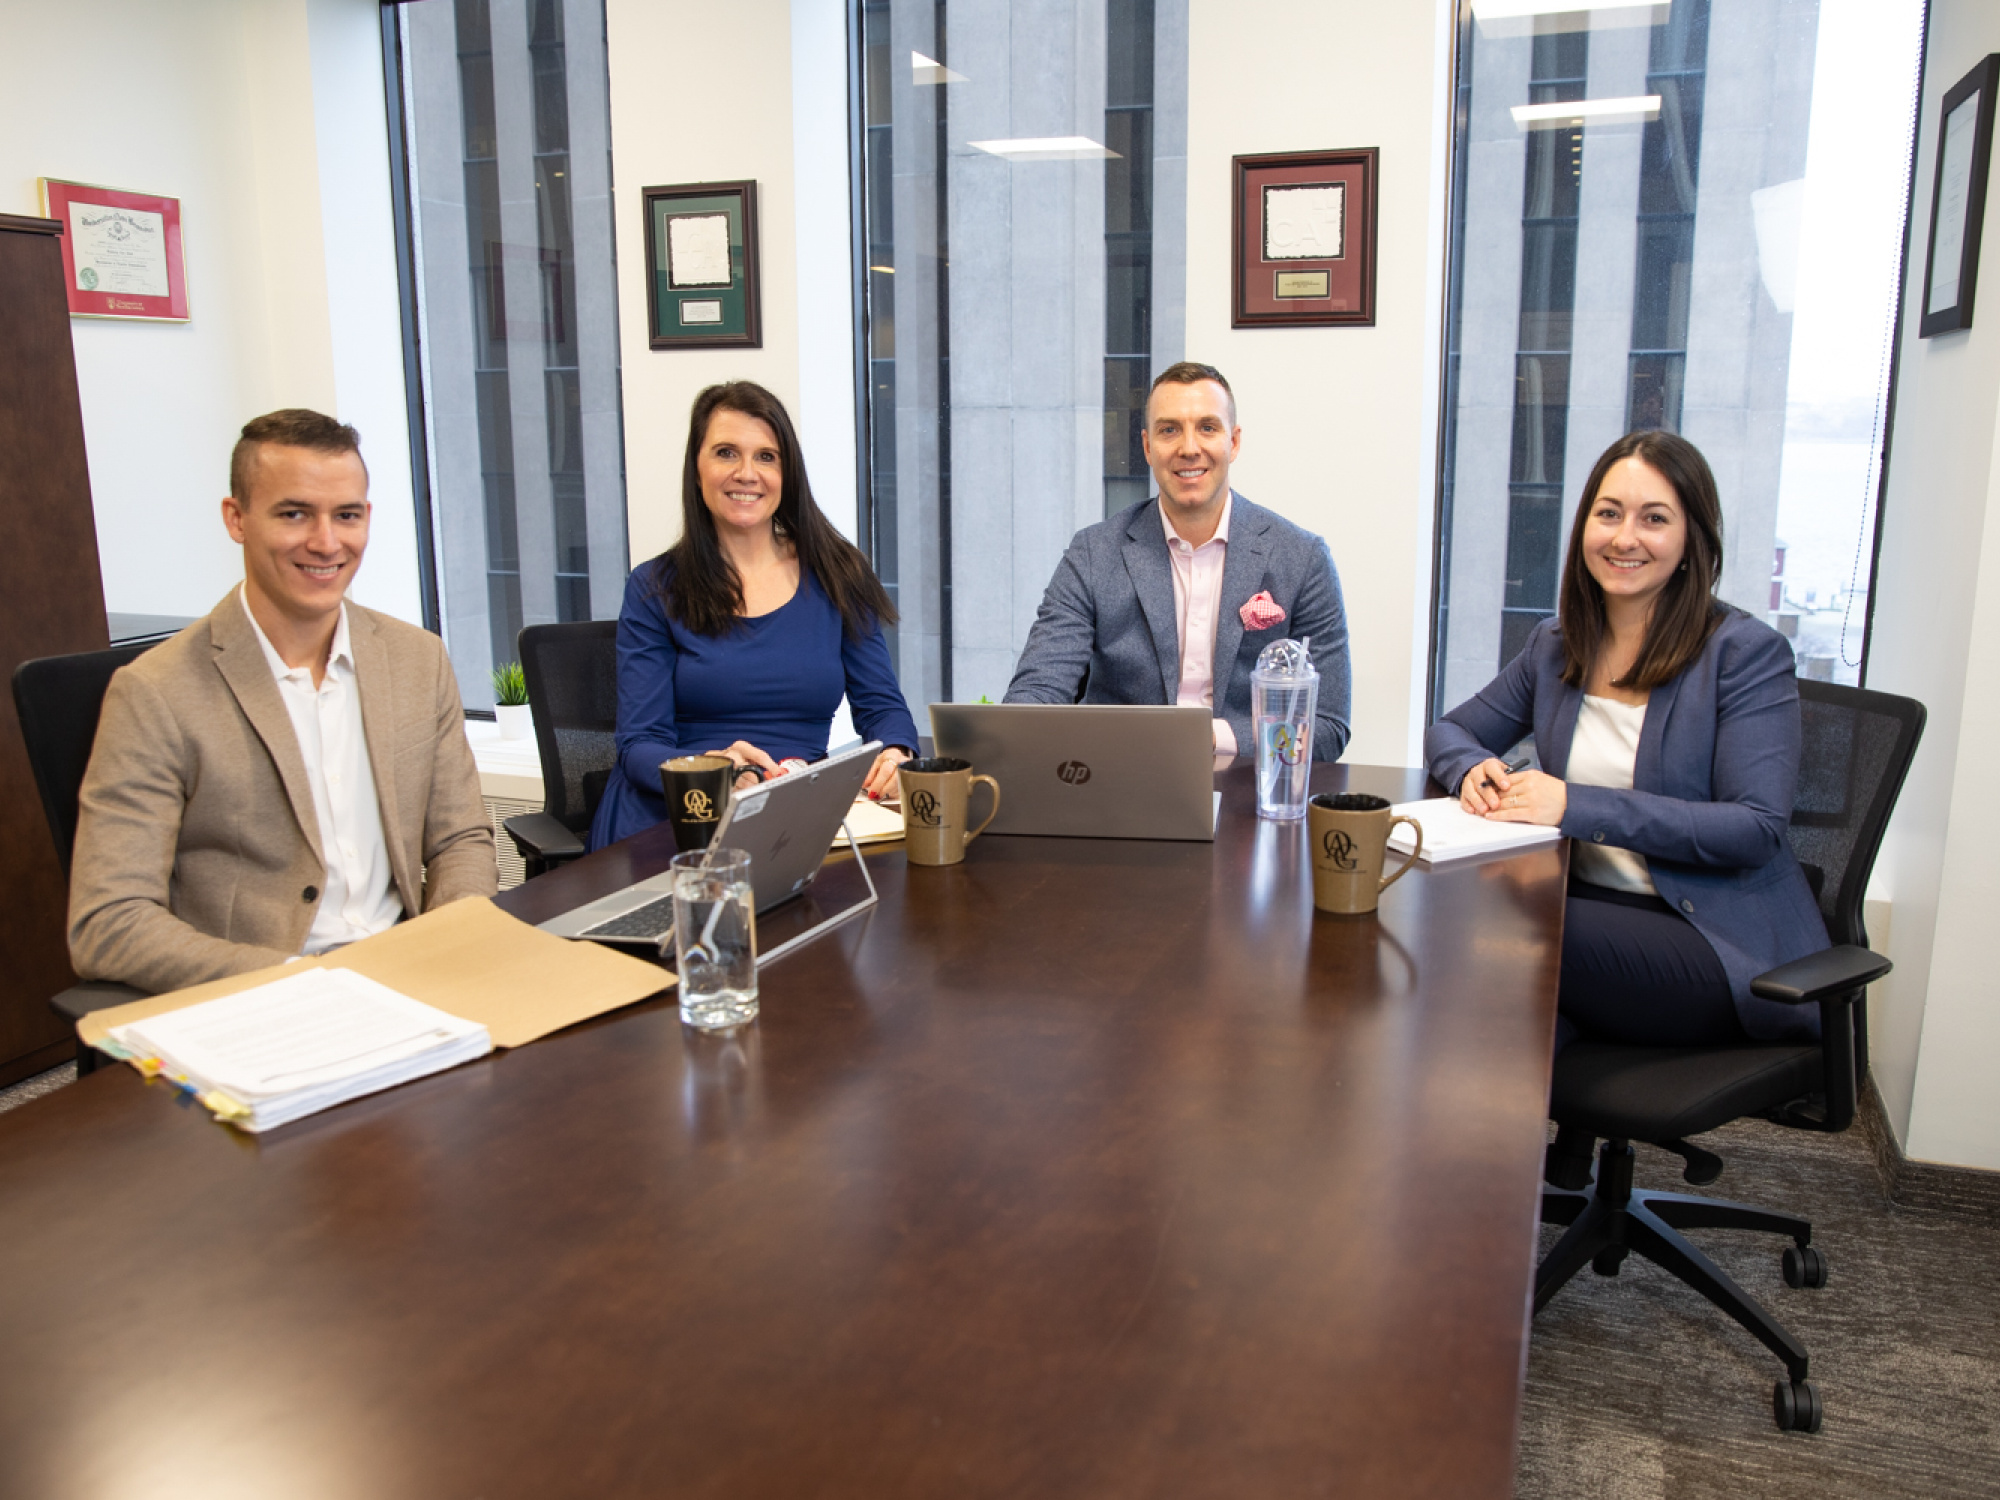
1636, 971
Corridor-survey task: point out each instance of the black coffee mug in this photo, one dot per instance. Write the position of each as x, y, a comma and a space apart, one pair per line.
697, 789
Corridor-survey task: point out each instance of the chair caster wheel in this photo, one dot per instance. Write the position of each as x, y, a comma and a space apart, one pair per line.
1607, 1261
1795, 1405
1804, 1267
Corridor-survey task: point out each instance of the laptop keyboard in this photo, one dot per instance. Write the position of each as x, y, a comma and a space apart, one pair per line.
652, 921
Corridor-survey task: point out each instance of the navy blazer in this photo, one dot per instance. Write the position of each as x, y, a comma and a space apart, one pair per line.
1107, 630
1711, 796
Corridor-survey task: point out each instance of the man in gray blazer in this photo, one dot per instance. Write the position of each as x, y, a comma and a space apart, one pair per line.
1172, 600
292, 772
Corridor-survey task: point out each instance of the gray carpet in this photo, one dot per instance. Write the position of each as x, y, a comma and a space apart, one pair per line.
33, 1088
1639, 1390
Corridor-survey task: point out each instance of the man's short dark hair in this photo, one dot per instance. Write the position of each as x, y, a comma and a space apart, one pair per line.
1187, 372
292, 427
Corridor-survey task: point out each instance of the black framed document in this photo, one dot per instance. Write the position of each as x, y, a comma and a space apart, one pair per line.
1958, 199
701, 266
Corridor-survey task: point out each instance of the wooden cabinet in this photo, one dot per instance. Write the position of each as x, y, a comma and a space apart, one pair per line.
51, 602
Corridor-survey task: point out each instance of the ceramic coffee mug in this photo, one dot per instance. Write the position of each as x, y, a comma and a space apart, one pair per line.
697, 789
1350, 840
936, 794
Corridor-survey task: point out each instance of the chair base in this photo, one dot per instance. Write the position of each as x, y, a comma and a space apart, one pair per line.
1609, 1219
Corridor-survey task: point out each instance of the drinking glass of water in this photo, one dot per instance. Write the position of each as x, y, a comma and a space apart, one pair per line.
715, 938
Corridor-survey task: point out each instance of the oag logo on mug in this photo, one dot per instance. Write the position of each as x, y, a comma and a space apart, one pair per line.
924, 808
1339, 847
1073, 773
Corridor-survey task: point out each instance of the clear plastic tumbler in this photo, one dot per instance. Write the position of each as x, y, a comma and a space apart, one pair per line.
715, 938
1284, 688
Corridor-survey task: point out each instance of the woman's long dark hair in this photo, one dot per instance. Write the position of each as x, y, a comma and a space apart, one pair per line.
1686, 611
700, 587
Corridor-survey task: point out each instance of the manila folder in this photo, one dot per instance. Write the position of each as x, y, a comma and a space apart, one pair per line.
469, 959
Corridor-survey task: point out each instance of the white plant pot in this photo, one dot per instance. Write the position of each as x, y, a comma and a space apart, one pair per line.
517, 721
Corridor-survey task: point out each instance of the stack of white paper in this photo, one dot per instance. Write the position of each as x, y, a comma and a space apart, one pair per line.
268, 1055
1451, 833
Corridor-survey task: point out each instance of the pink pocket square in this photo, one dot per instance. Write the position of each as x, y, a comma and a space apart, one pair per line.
1261, 612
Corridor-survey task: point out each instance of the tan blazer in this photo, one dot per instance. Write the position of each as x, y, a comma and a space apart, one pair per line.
197, 847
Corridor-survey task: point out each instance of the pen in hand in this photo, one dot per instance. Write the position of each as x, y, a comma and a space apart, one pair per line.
1512, 767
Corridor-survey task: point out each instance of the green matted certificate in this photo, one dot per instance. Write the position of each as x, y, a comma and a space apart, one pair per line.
701, 266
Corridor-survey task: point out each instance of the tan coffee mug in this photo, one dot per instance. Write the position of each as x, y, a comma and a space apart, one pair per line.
1350, 843
937, 792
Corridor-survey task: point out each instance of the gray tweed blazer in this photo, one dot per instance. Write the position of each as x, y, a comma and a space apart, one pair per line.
1106, 631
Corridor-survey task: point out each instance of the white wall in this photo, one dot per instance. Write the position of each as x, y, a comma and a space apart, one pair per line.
266, 119
1935, 1026
1339, 424
720, 120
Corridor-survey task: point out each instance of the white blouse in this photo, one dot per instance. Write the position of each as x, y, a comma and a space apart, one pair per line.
1602, 754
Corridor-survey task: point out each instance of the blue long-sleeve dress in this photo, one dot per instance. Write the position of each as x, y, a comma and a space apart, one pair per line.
772, 680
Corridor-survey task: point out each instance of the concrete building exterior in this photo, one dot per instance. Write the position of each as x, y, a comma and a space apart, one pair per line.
1610, 278
510, 157
1018, 304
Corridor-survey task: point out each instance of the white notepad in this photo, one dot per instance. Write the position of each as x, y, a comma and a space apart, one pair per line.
872, 823
271, 1054
1451, 833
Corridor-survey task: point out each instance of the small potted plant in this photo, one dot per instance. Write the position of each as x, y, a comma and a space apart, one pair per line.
510, 702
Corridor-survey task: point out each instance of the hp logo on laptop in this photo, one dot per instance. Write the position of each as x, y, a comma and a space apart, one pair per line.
1073, 773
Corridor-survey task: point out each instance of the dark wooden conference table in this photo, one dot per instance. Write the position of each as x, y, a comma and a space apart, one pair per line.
1081, 1169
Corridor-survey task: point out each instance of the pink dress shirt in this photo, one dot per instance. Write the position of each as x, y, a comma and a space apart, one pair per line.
1197, 603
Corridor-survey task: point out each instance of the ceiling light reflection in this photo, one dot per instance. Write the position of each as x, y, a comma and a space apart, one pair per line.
927, 72
1562, 113
1046, 148
1521, 17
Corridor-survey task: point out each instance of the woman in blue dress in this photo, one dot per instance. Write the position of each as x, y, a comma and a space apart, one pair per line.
1667, 727
742, 638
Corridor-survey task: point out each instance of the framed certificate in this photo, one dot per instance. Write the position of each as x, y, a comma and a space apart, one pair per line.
121, 252
1304, 239
701, 266
1958, 199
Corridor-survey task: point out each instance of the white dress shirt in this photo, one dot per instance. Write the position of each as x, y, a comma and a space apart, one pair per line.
359, 898
1197, 603
1602, 753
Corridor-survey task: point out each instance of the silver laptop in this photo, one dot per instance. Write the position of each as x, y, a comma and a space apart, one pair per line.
1089, 770
786, 826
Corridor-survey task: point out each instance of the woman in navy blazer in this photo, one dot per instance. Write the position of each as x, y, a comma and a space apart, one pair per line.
1667, 726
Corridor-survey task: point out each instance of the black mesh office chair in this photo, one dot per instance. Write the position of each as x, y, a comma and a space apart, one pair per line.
59, 699
1858, 747
572, 673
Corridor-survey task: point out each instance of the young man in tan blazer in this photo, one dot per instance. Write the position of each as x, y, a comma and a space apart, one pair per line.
290, 773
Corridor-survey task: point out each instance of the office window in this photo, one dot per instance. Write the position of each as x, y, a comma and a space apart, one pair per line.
507, 161
1709, 244
1013, 301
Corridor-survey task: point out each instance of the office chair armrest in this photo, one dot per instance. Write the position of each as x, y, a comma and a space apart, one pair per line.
1820, 976
79, 1000
539, 836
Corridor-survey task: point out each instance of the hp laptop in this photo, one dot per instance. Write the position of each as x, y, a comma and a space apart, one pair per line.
787, 827
1089, 770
